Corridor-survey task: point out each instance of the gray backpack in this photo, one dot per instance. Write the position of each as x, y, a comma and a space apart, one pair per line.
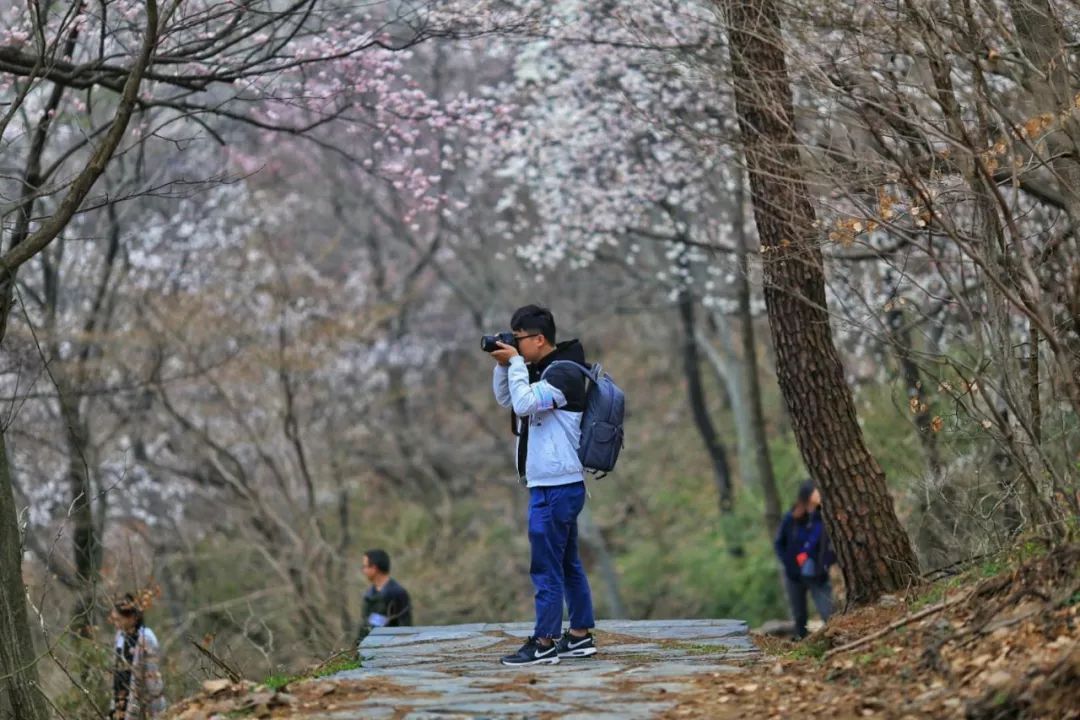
602, 421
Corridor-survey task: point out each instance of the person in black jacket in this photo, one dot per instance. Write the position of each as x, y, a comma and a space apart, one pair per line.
386, 603
804, 550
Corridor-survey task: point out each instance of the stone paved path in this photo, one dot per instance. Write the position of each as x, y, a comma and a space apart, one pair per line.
453, 671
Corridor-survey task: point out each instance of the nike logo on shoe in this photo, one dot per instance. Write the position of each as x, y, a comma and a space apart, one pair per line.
532, 653
571, 646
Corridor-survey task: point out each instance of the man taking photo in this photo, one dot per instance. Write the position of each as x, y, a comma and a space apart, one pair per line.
548, 400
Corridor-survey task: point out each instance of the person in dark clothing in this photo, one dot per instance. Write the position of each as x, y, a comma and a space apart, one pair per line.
386, 603
804, 549
547, 400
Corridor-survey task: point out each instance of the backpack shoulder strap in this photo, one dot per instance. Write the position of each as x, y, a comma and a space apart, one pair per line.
592, 372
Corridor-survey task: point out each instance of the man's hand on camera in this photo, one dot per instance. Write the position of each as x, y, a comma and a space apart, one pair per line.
504, 353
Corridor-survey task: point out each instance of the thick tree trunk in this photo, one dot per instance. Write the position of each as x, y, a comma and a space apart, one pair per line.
874, 551
699, 409
20, 696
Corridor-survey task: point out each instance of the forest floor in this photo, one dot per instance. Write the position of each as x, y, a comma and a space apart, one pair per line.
1000, 640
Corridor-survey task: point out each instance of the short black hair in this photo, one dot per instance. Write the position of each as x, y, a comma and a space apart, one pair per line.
536, 319
379, 558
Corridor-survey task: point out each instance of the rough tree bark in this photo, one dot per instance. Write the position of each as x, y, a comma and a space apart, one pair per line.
20, 696
874, 551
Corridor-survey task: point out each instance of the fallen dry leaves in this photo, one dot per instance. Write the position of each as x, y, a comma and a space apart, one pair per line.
221, 699
1011, 649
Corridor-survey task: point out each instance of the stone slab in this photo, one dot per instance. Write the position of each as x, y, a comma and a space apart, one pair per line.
378, 639
492, 709
453, 672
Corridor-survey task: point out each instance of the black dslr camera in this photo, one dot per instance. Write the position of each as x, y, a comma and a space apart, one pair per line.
488, 342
